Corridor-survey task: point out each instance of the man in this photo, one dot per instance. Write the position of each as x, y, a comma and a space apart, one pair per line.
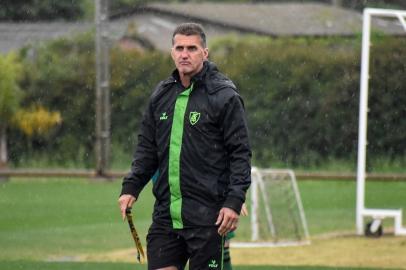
195, 133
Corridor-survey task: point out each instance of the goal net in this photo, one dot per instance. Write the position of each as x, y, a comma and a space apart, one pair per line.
276, 213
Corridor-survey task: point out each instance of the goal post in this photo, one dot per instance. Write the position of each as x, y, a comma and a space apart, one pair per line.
277, 216
361, 211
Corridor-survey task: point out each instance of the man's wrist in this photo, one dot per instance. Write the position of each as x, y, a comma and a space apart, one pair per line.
129, 190
233, 203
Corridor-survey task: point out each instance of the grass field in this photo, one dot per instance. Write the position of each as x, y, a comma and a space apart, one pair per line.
131, 266
75, 224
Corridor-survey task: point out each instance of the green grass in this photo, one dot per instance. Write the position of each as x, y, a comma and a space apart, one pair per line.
330, 205
121, 159
30, 265
63, 217
43, 220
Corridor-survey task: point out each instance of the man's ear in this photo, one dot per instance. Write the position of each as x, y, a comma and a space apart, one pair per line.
205, 53
172, 54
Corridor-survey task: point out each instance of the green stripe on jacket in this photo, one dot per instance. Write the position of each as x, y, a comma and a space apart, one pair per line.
174, 157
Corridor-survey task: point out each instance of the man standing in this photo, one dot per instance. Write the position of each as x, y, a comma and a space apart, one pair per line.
193, 131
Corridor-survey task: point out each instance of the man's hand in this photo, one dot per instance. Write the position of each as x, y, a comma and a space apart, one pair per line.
228, 220
125, 201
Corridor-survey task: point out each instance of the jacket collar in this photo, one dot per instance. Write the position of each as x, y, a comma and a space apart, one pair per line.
207, 66
201, 75
212, 86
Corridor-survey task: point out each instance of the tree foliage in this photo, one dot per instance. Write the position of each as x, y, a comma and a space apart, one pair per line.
387, 98
31, 121
301, 96
285, 87
62, 78
9, 99
10, 93
45, 10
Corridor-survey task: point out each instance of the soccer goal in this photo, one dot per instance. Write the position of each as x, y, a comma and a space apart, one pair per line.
277, 217
377, 215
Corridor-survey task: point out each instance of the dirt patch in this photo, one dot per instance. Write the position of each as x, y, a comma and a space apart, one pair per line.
386, 252
335, 251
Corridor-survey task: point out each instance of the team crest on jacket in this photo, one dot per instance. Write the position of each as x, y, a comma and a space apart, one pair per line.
194, 117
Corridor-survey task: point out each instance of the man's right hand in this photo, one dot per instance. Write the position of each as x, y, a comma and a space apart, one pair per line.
125, 200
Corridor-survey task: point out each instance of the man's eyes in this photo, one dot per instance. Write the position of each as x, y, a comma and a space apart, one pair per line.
188, 48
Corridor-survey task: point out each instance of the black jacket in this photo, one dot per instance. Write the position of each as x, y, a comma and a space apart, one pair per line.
210, 165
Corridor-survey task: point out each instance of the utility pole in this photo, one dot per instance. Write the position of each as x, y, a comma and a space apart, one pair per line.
102, 147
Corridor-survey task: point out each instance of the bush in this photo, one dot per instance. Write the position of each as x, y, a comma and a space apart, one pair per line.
62, 77
301, 97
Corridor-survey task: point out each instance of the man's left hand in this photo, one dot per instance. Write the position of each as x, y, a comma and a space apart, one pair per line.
228, 220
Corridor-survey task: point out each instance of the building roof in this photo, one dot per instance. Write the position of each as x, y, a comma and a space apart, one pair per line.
155, 22
16, 35
277, 19
272, 19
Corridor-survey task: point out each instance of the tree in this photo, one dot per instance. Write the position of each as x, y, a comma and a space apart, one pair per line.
35, 120
301, 97
34, 10
10, 95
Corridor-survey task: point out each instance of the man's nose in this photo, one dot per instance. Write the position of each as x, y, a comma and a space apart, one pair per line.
184, 53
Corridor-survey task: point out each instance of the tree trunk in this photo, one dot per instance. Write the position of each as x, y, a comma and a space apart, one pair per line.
3, 151
3, 146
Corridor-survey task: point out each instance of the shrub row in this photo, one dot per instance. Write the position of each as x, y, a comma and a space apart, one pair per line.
301, 96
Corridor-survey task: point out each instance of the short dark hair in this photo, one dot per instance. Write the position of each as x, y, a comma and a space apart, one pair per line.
190, 29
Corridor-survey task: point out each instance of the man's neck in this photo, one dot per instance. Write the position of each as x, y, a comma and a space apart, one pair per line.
185, 79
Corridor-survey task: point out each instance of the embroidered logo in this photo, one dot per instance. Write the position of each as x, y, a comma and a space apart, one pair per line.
213, 264
194, 117
163, 116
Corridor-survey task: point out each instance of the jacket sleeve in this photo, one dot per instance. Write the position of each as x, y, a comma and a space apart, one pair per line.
145, 161
236, 140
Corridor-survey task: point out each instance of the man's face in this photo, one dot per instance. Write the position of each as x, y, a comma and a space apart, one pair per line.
188, 54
